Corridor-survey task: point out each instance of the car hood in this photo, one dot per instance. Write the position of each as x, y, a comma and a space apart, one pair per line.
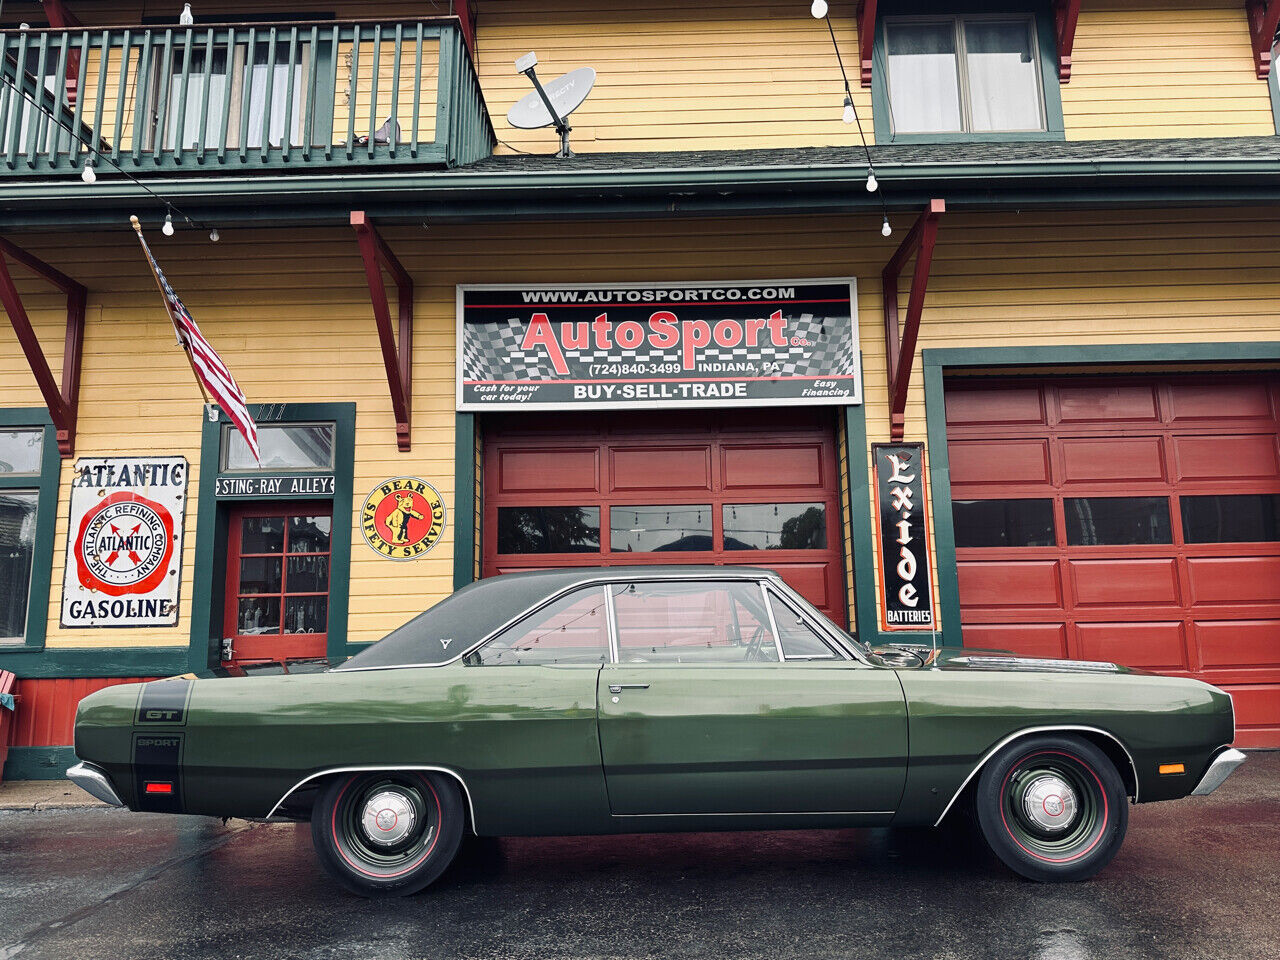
1000, 661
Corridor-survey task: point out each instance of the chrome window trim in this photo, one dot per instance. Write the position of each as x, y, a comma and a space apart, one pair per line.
371, 767
611, 620
1057, 728
773, 623
822, 635
603, 579
816, 620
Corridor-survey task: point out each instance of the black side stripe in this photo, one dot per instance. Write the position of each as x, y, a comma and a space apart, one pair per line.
164, 701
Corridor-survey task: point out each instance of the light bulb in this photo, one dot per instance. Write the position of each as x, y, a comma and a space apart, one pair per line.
872, 183
167, 229
885, 229
819, 9
214, 235
88, 174
849, 115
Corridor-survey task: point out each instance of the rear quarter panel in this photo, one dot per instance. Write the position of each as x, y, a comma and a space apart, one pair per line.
956, 717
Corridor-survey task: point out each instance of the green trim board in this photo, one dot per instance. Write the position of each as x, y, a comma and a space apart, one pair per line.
38, 763
46, 485
211, 527
936, 363
1047, 56
98, 662
465, 532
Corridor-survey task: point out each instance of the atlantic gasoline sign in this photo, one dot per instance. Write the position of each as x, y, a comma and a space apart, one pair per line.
403, 518
906, 587
124, 542
658, 345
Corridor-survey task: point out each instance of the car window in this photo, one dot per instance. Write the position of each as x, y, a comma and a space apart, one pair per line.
799, 640
692, 622
571, 630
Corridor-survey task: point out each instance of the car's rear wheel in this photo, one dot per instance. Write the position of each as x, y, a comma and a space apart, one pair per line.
1052, 808
388, 833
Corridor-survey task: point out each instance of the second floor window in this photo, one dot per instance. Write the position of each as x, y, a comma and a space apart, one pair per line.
964, 75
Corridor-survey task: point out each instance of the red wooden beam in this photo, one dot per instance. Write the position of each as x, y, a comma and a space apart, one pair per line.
64, 402
377, 257
1264, 18
900, 346
62, 18
1065, 15
866, 37
465, 11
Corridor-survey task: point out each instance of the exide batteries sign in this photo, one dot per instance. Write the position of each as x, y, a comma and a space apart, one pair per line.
658, 345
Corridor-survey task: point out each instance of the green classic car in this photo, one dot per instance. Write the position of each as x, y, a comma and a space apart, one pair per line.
593, 701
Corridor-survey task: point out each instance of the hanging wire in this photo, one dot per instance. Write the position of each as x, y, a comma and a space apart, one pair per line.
93, 154
848, 93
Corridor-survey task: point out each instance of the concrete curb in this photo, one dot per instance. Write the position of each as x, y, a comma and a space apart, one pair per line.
44, 795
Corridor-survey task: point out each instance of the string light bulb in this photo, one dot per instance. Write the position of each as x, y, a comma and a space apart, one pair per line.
214, 235
849, 115
885, 229
818, 9
88, 174
167, 229
872, 182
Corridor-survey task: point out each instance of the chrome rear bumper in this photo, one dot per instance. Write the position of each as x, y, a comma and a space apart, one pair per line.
94, 782
1221, 767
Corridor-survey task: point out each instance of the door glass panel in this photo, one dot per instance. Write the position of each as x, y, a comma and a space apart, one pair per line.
571, 630
309, 534
672, 528
292, 447
548, 529
775, 526
1004, 523
262, 535
258, 615
308, 574
1004, 93
799, 640
1234, 518
218, 84
1117, 520
17, 543
924, 83
262, 76
260, 575
306, 614
20, 451
673, 622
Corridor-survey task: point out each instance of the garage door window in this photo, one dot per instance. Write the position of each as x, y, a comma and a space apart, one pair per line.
674, 528
775, 526
548, 529
1093, 521
1004, 523
1239, 518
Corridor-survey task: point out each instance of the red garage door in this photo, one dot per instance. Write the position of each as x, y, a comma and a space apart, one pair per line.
1135, 520
754, 488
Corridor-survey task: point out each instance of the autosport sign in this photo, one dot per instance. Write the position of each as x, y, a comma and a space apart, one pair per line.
124, 544
658, 345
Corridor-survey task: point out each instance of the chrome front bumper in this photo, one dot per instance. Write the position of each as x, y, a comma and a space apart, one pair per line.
1221, 767
94, 782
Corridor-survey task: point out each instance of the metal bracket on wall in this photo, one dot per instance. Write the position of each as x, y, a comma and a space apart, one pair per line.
377, 256
900, 345
63, 403
1264, 18
1065, 15
866, 37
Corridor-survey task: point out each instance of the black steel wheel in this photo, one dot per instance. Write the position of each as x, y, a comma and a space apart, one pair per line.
1052, 808
388, 833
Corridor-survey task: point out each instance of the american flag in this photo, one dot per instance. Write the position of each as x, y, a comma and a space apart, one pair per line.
208, 366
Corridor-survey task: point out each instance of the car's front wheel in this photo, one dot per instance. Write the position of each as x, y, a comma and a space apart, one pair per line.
388, 833
1052, 808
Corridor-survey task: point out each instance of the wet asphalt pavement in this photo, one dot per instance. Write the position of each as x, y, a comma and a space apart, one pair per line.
1195, 878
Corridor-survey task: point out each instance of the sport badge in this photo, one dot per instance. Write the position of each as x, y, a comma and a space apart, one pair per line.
403, 518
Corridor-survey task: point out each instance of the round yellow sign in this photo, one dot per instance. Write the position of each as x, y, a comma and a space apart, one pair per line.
403, 518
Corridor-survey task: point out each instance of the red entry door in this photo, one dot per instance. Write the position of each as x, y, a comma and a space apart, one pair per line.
277, 592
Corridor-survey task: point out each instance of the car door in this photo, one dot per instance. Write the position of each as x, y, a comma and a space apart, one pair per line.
718, 705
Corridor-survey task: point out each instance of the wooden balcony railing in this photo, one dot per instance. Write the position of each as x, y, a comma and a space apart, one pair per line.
240, 97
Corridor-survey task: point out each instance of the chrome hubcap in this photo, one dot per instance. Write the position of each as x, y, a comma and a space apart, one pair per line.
387, 818
1050, 803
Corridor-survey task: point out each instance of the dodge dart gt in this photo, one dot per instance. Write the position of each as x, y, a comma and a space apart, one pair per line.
595, 701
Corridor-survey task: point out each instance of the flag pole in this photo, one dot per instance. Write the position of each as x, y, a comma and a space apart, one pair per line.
168, 308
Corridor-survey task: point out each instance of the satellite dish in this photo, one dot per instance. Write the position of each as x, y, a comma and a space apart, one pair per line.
550, 104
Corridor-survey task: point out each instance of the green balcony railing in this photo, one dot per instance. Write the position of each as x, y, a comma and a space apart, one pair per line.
269, 96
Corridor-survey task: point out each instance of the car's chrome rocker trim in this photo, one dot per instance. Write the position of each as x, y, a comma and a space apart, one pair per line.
1222, 767
93, 781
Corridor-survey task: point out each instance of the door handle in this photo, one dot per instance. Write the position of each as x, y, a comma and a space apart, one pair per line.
619, 687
